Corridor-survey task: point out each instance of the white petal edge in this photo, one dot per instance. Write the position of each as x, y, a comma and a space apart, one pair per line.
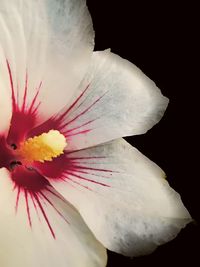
23, 246
120, 100
51, 41
137, 210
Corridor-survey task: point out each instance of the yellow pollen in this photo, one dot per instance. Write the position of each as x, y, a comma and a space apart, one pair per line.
44, 147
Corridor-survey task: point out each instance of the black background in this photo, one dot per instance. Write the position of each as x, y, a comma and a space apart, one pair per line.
160, 39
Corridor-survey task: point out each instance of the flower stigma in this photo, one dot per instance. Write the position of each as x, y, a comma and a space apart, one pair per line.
44, 147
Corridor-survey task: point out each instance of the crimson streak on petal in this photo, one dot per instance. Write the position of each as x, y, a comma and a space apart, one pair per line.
30, 183
55, 122
32, 186
71, 121
76, 170
23, 117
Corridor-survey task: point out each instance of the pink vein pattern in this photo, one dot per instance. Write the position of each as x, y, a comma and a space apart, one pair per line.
33, 187
71, 121
24, 117
79, 171
30, 184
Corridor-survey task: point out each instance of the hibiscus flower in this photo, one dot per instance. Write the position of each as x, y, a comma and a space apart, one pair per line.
70, 185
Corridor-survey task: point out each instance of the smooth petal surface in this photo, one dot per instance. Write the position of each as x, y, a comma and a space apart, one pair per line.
123, 197
116, 99
5, 106
45, 48
30, 245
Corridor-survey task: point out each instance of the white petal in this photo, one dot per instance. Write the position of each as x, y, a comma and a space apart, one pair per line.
120, 101
123, 197
25, 246
50, 41
6, 106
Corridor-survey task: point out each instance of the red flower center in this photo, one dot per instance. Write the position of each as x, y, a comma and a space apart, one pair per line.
29, 174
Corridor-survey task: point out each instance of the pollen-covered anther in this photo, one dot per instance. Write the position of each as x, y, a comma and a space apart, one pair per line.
44, 147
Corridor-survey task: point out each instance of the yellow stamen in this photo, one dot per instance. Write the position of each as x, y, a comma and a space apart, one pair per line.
44, 147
